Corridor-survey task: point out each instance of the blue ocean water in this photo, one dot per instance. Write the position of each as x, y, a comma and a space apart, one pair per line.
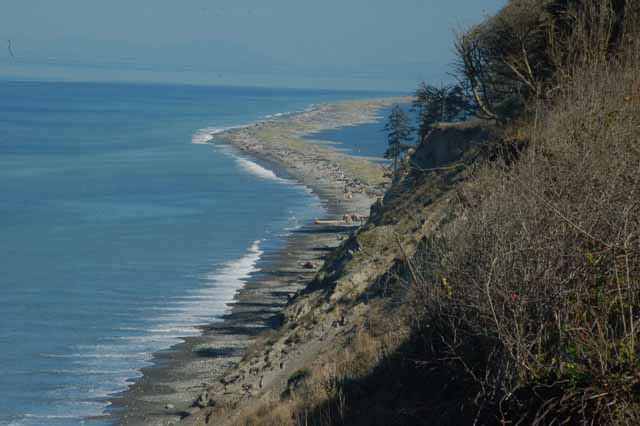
119, 235
364, 140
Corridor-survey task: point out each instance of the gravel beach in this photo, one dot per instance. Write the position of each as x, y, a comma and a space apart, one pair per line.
347, 185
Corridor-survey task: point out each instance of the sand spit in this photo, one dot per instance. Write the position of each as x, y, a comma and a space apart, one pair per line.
346, 185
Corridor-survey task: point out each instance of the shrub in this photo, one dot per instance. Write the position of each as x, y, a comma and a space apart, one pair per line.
532, 288
533, 47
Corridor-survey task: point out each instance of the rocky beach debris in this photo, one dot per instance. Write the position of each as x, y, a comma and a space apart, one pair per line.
173, 390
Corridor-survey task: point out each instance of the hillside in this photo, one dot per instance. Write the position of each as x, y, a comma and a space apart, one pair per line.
497, 280
341, 324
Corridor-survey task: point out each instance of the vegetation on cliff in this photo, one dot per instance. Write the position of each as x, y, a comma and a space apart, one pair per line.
498, 280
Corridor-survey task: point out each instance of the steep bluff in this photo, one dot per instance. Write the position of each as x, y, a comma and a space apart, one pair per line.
349, 315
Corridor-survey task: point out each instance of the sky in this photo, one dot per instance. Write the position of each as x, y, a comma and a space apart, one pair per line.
387, 45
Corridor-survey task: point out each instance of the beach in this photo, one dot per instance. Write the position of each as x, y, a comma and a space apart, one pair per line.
347, 187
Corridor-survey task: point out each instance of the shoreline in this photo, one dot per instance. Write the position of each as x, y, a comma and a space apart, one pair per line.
345, 185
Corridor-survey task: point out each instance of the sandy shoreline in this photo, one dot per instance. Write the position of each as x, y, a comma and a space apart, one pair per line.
345, 184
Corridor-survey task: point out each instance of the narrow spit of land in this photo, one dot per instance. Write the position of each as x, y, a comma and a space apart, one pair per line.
335, 176
347, 185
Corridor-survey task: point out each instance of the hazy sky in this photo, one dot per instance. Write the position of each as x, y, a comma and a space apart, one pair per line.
360, 44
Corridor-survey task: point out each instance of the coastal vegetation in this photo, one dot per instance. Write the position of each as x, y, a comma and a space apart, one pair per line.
497, 281
399, 133
528, 295
431, 105
434, 105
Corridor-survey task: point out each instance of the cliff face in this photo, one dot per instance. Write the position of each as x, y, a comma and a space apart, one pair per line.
350, 317
501, 291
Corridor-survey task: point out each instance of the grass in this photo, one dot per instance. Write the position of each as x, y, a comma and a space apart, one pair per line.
521, 304
532, 290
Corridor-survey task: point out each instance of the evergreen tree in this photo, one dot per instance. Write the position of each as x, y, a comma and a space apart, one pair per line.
433, 105
399, 132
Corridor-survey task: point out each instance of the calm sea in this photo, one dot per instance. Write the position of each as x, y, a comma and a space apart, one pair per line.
118, 235
364, 140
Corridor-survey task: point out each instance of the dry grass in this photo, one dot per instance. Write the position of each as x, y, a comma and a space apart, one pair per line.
324, 400
320, 394
268, 414
532, 289
525, 304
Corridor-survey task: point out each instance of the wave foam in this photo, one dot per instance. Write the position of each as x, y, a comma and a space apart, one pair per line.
253, 167
258, 170
205, 135
114, 365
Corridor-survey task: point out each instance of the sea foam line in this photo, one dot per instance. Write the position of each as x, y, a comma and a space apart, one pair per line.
119, 363
257, 170
206, 134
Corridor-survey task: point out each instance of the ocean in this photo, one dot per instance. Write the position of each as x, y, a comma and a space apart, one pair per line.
363, 140
121, 232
